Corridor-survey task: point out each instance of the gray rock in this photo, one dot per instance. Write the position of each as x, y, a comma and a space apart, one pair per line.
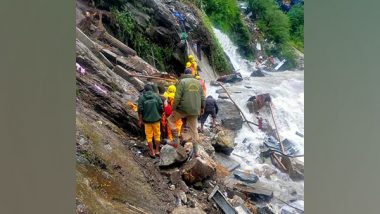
229, 115
214, 83
257, 73
208, 147
220, 91
168, 155
224, 142
249, 178
223, 96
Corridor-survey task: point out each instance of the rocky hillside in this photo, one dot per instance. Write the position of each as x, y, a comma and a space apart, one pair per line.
114, 173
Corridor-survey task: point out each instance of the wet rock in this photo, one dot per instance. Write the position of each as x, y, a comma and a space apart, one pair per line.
197, 170
198, 185
220, 91
175, 177
264, 210
246, 177
236, 201
181, 195
257, 73
182, 186
186, 210
214, 83
224, 142
208, 147
223, 96
168, 155
297, 170
181, 154
229, 115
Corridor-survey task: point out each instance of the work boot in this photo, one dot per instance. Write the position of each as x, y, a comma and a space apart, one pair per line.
151, 150
157, 149
176, 140
195, 150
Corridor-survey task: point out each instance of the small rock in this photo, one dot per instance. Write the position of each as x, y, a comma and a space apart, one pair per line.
264, 210
220, 91
108, 147
236, 201
175, 177
182, 196
182, 186
249, 178
198, 185
181, 154
186, 210
257, 73
172, 187
209, 149
223, 96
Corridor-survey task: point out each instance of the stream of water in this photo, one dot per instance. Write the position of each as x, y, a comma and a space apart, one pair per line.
287, 91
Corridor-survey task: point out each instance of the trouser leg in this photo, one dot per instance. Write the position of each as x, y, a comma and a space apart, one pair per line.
172, 124
193, 128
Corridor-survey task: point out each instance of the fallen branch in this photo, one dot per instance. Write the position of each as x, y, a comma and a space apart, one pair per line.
278, 135
247, 121
279, 162
151, 77
229, 96
288, 204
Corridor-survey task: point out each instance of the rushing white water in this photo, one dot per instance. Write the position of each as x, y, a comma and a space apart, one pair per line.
287, 92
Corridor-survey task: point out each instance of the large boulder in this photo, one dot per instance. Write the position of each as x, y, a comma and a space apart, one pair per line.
229, 115
170, 155
197, 170
224, 142
257, 73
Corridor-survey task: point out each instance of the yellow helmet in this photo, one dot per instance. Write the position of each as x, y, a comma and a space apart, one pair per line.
172, 89
188, 64
191, 57
197, 77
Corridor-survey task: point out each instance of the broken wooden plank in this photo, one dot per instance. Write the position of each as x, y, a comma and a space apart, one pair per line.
127, 76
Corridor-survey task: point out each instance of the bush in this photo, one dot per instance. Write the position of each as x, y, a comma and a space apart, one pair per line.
276, 27
296, 18
225, 15
129, 34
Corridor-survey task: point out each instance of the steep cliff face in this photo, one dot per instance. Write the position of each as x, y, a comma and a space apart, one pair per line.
114, 174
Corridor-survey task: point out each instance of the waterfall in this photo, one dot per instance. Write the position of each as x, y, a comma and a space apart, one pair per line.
287, 92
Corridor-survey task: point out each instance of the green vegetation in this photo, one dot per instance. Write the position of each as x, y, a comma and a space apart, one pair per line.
217, 57
129, 34
225, 15
296, 18
276, 27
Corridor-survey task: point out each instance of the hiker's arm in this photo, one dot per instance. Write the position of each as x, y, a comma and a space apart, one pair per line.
160, 105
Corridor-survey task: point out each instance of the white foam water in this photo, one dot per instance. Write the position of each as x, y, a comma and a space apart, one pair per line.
287, 93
